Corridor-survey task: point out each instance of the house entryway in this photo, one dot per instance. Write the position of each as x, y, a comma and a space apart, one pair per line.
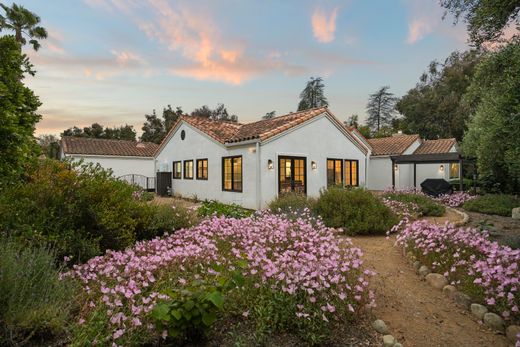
292, 175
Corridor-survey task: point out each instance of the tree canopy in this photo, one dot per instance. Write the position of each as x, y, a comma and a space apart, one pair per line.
24, 23
380, 109
219, 113
434, 107
486, 19
269, 115
97, 131
18, 106
155, 128
313, 95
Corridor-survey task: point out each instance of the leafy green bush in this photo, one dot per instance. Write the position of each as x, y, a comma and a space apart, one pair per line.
356, 210
211, 207
79, 210
292, 203
426, 206
34, 302
500, 204
156, 219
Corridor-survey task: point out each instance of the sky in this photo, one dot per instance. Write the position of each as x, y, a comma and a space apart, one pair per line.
113, 61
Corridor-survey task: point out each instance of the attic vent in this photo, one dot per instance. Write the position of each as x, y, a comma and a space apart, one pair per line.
140, 145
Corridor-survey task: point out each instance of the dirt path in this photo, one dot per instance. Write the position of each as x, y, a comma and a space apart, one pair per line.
417, 314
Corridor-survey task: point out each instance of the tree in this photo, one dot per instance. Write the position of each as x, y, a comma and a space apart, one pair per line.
269, 115
18, 106
313, 95
380, 109
123, 132
434, 107
493, 135
171, 116
486, 19
49, 145
97, 131
24, 23
220, 113
352, 121
153, 129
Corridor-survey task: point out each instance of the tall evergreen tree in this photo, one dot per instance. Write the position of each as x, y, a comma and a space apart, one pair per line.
313, 95
24, 23
380, 109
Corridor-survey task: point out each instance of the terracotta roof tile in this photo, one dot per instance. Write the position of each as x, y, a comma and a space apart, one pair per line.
90, 146
218, 130
391, 145
436, 146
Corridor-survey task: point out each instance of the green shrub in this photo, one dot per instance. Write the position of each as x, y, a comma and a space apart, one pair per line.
211, 207
79, 210
157, 219
292, 203
427, 206
35, 303
356, 210
500, 204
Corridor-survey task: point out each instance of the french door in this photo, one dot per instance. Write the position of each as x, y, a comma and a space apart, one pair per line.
292, 175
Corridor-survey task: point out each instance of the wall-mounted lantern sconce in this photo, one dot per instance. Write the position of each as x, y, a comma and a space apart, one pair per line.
270, 164
396, 167
314, 166
441, 168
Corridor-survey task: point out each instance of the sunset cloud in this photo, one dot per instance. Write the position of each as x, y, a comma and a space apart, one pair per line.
418, 28
323, 25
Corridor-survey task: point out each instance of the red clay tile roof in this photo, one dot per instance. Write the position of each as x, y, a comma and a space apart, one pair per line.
90, 146
218, 130
436, 146
392, 145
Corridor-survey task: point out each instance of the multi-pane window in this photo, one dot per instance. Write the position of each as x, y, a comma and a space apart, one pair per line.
351, 172
334, 172
232, 173
454, 170
188, 169
202, 169
177, 168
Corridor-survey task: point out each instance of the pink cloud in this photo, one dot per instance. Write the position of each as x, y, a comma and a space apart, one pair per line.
419, 27
324, 26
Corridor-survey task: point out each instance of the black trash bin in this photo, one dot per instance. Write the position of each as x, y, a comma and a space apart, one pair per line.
164, 183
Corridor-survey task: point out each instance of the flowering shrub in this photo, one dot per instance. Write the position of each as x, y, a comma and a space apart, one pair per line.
456, 199
425, 205
298, 277
482, 268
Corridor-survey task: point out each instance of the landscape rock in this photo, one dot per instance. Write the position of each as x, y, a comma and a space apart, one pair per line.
516, 213
423, 271
388, 341
478, 310
511, 332
380, 326
494, 321
449, 291
461, 299
416, 265
437, 281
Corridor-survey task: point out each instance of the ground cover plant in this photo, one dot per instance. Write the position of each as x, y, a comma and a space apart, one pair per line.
456, 199
499, 204
212, 207
280, 275
426, 205
357, 211
35, 303
483, 269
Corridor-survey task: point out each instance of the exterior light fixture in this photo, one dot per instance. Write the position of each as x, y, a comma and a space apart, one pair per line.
270, 164
314, 166
441, 168
396, 167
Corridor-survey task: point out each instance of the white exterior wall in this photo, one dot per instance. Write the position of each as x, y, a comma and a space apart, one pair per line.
120, 165
380, 173
316, 141
197, 145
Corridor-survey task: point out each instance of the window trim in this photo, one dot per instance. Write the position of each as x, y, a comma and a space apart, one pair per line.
173, 169
185, 171
342, 184
357, 172
197, 169
292, 158
232, 174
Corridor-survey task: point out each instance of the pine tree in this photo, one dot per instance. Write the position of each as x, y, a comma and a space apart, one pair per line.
381, 109
313, 95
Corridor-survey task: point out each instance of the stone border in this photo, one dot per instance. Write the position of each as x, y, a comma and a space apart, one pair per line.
464, 215
388, 340
481, 312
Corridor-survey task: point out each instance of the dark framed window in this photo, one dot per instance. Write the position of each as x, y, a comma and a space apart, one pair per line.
188, 169
454, 170
292, 175
334, 172
351, 172
232, 174
177, 169
202, 169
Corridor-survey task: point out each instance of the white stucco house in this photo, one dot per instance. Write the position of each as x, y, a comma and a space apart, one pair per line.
250, 164
129, 160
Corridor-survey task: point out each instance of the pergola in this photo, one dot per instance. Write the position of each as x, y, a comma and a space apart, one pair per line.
433, 158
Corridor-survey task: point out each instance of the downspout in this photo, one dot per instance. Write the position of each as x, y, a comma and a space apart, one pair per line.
258, 177
366, 170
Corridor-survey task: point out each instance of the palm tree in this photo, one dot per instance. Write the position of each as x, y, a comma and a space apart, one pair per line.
24, 23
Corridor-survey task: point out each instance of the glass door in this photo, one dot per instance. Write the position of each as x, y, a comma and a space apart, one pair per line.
292, 175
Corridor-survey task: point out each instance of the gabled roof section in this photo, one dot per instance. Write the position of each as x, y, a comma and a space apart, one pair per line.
91, 146
392, 145
220, 131
355, 131
436, 146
